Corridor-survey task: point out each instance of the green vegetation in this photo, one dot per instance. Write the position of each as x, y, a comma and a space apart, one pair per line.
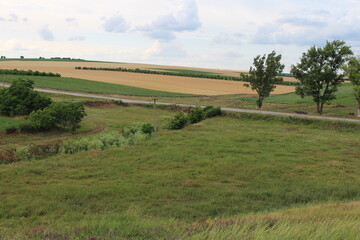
263, 76
353, 71
81, 85
180, 73
234, 169
27, 73
21, 99
319, 72
6, 122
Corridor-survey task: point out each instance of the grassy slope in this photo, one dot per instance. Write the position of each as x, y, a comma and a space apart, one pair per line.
218, 168
81, 85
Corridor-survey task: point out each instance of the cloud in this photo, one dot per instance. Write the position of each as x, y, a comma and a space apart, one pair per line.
164, 50
13, 45
72, 21
233, 54
225, 38
11, 18
77, 38
115, 24
164, 27
46, 34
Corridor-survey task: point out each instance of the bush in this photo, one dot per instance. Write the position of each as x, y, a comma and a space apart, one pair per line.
11, 129
211, 111
22, 153
68, 115
42, 119
196, 115
179, 121
144, 128
21, 99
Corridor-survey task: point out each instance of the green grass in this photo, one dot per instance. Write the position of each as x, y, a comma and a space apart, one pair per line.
8, 122
344, 96
221, 168
81, 85
186, 71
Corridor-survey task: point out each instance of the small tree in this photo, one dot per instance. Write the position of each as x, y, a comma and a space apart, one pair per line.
353, 71
318, 72
263, 76
68, 115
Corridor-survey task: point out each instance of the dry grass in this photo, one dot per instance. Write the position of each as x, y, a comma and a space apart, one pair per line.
155, 82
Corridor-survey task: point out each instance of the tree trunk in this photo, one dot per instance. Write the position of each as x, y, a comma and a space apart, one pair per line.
321, 108
318, 107
260, 101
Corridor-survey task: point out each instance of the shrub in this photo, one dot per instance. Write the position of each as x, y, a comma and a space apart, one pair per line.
179, 121
11, 129
42, 119
211, 111
196, 115
145, 128
68, 115
22, 153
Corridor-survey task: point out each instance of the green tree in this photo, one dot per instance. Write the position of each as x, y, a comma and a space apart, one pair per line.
319, 72
353, 71
264, 75
68, 115
42, 119
21, 99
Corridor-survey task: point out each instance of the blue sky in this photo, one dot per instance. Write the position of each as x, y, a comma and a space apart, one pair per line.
224, 34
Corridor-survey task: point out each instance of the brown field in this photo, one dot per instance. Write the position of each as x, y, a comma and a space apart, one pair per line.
154, 82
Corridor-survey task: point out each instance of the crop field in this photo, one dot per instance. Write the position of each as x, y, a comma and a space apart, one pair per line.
175, 84
226, 177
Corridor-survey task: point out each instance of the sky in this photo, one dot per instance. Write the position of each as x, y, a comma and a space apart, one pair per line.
226, 34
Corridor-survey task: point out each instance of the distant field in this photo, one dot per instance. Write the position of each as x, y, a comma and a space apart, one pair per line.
186, 71
196, 86
81, 85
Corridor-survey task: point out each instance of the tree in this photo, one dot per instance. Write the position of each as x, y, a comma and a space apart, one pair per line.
68, 115
319, 72
21, 99
353, 71
263, 76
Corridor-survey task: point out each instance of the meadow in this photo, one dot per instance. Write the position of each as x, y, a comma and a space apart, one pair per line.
226, 177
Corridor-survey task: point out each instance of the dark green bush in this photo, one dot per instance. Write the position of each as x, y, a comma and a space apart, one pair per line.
43, 119
20, 99
211, 111
11, 129
179, 121
196, 115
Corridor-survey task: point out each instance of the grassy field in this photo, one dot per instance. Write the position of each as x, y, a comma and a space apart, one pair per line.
47, 60
343, 106
7, 122
80, 85
237, 170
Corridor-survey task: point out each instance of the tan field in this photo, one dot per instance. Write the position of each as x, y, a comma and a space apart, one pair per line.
149, 81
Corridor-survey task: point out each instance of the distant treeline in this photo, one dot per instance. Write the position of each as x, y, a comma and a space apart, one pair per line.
181, 74
28, 73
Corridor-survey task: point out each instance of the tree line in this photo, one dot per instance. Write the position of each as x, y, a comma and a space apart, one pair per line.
320, 72
28, 73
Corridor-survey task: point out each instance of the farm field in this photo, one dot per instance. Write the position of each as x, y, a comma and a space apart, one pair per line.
175, 84
225, 176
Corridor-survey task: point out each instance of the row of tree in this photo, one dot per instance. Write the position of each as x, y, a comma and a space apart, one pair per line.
28, 73
321, 71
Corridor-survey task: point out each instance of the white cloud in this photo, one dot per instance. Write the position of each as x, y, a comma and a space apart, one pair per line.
225, 38
46, 34
71, 21
164, 27
10, 18
77, 38
116, 24
165, 50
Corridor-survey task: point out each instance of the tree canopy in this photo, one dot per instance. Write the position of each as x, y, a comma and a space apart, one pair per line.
353, 71
264, 75
319, 72
21, 99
